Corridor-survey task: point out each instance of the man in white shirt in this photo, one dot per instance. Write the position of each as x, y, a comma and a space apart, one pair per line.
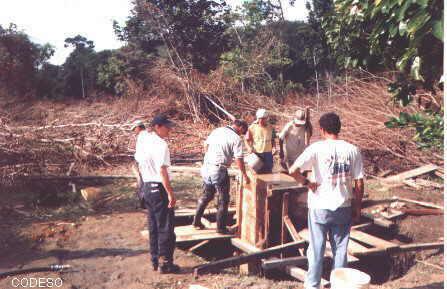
294, 138
140, 131
334, 199
153, 158
221, 146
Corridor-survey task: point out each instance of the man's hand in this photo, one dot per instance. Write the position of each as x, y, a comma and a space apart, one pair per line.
246, 178
313, 186
172, 201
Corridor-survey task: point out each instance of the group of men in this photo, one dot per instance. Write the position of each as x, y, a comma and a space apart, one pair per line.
335, 192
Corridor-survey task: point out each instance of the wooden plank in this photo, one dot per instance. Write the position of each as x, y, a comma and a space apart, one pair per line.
371, 240
239, 205
421, 246
411, 174
189, 233
244, 246
239, 260
280, 263
285, 212
198, 245
424, 204
186, 212
411, 183
422, 212
427, 183
379, 221
208, 224
300, 274
361, 226
291, 228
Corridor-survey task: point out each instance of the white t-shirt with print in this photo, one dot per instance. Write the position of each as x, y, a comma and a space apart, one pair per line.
151, 154
335, 164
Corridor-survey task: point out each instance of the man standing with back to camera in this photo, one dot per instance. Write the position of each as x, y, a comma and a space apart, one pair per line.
333, 202
221, 146
153, 158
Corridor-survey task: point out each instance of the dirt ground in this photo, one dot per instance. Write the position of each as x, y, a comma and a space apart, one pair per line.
104, 246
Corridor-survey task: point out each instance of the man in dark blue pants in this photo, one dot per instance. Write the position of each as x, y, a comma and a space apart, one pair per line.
152, 155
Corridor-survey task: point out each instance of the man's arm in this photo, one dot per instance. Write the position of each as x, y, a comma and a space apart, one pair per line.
167, 185
137, 173
303, 180
359, 188
249, 141
241, 166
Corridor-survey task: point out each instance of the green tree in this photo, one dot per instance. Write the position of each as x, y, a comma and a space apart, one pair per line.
20, 60
405, 35
191, 30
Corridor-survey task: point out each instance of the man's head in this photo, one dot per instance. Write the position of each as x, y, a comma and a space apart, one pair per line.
262, 116
137, 126
240, 126
300, 118
162, 125
330, 124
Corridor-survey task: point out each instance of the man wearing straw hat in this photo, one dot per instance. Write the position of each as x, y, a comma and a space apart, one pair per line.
294, 138
334, 199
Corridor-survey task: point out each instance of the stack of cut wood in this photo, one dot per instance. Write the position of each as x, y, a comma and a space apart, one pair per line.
413, 178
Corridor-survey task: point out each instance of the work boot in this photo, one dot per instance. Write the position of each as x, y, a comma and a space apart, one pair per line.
198, 225
155, 264
223, 231
168, 267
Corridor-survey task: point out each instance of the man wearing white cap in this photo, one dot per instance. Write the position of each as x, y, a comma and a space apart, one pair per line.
139, 129
294, 138
261, 140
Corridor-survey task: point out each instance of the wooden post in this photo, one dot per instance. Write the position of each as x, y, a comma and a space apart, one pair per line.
285, 212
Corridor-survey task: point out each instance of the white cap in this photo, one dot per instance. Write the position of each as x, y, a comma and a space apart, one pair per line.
300, 117
136, 124
261, 113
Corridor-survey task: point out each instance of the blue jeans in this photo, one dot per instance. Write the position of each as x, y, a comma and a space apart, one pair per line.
322, 223
215, 179
267, 162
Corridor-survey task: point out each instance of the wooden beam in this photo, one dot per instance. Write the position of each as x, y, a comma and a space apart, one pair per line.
421, 246
424, 204
285, 212
244, 246
300, 274
184, 213
411, 174
371, 240
379, 221
239, 260
422, 212
291, 228
361, 226
281, 263
198, 245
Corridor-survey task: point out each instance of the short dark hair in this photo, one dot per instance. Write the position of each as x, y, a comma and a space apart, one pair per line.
142, 126
330, 123
242, 124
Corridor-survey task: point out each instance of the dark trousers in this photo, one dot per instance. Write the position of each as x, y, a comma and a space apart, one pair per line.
267, 162
160, 222
215, 181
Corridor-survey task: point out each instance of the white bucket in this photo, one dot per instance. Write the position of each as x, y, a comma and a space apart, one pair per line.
348, 278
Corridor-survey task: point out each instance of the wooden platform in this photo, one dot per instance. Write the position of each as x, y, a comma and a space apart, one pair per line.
189, 234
